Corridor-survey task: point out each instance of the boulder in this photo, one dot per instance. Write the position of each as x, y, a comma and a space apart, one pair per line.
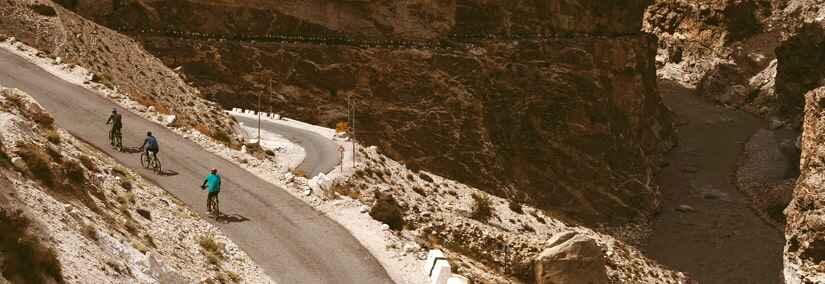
571, 259
18, 163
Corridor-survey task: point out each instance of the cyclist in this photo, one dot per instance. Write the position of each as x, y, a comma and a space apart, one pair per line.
150, 144
213, 183
117, 124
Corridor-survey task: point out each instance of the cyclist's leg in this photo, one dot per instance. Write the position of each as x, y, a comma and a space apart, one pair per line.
217, 207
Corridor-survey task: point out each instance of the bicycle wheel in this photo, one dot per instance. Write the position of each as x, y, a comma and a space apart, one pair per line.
118, 143
144, 160
157, 166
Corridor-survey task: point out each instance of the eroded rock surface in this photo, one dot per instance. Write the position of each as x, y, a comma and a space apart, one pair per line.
552, 103
805, 229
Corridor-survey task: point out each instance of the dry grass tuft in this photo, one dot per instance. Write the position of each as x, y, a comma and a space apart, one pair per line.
482, 207
25, 258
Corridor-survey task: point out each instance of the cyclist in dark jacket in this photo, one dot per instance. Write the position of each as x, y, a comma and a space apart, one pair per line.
117, 123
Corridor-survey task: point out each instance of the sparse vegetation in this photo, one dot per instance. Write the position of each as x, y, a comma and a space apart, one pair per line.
233, 276
516, 207
43, 9
121, 172
419, 190
25, 258
89, 232
425, 177
103, 79
53, 136
125, 184
88, 163
38, 164
212, 249
75, 173
482, 207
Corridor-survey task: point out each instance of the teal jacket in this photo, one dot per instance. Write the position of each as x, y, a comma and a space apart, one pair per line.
213, 183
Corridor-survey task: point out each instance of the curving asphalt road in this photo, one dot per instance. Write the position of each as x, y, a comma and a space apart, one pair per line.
290, 240
321, 154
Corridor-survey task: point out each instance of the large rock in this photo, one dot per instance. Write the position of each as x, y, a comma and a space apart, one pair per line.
571, 259
801, 66
805, 229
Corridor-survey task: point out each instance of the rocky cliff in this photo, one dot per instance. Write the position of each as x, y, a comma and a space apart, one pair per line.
553, 103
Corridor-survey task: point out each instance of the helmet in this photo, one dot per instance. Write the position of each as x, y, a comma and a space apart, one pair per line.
114, 109
213, 170
149, 133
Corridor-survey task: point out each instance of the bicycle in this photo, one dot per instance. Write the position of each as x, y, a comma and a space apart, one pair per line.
150, 162
214, 206
116, 140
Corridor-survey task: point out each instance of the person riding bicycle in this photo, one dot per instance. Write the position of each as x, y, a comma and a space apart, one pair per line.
212, 182
117, 123
150, 144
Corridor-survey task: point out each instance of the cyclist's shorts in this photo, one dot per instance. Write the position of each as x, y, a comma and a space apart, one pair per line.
213, 194
156, 150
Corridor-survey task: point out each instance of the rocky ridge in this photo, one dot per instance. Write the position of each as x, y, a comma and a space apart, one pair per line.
103, 222
562, 95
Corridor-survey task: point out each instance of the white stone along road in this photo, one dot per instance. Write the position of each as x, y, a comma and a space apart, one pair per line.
290, 240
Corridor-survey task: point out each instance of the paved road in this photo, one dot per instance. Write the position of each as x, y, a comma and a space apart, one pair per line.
290, 240
321, 153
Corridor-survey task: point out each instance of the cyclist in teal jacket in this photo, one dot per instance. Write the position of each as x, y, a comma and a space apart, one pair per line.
212, 183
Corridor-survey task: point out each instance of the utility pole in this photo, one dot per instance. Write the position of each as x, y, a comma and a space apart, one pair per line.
259, 119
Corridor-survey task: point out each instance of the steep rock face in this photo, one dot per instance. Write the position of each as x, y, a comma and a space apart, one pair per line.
805, 232
570, 122
801, 66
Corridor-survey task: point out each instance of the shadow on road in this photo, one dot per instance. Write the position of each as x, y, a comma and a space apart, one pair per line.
230, 218
166, 172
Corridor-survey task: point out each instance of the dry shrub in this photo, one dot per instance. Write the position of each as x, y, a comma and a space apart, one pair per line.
482, 207
425, 177
234, 277
419, 190
25, 258
120, 171
44, 10
75, 173
38, 164
212, 249
53, 136
516, 207
103, 79
89, 231
346, 190
88, 163
125, 184
387, 210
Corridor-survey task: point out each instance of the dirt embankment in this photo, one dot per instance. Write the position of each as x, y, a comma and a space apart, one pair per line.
116, 61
